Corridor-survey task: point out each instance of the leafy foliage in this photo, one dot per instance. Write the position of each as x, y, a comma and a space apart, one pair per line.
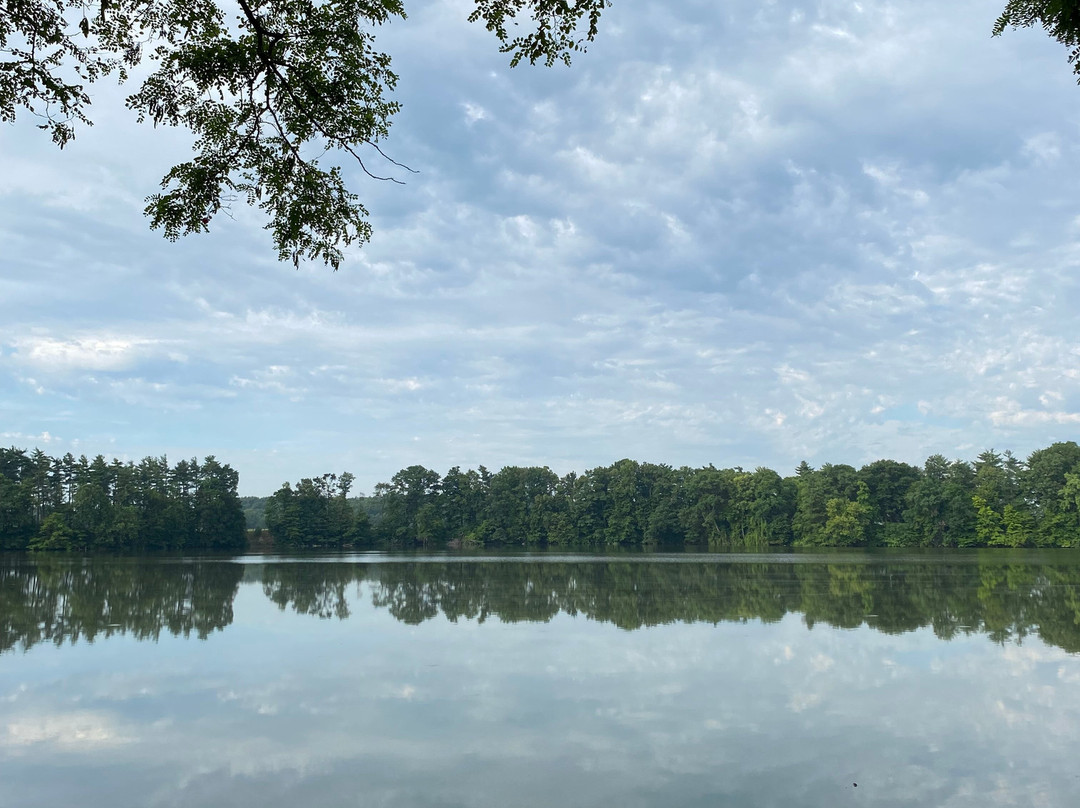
557, 27
317, 513
74, 504
274, 92
1059, 18
995, 501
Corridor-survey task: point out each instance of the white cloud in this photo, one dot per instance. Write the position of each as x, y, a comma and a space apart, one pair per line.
410, 385
42, 439
820, 663
1044, 148
80, 353
1008, 412
78, 730
474, 113
745, 234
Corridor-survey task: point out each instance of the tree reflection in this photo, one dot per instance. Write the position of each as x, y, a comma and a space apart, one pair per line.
55, 600
1005, 601
315, 589
49, 599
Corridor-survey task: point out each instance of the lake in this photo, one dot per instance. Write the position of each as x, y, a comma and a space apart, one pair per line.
884, 679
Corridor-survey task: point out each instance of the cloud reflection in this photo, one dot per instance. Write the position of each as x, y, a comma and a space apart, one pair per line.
286, 708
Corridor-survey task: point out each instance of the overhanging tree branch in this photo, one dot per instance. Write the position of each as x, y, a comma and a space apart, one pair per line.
253, 92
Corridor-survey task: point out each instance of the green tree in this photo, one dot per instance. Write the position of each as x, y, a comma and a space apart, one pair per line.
940, 510
282, 518
1059, 18
402, 498
1019, 527
847, 520
1045, 481
56, 534
1068, 514
888, 483
219, 518
563, 528
430, 525
264, 87
814, 491
360, 534
762, 508
317, 513
16, 517
519, 505
68, 504
959, 509
462, 497
989, 524
91, 515
707, 506
123, 529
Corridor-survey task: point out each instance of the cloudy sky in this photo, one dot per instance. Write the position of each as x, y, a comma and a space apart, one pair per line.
737, 233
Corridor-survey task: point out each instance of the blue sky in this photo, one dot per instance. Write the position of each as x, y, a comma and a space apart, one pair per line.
737, 233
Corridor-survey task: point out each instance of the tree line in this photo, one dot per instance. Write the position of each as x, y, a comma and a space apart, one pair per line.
996, 500
55, 599
50, 503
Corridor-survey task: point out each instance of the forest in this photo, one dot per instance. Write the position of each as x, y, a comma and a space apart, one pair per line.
997, 500
49, 503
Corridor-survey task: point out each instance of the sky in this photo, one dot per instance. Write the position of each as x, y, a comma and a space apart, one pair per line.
741, 233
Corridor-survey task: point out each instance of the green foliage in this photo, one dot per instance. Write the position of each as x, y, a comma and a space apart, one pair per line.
1045, 482
16, 512
940, 508
68, 504
557, 24
317, 513
1059, 18
56, 534
401, 501
277, 94
1019, 526
989, 524
888, 483
815, 489
898, 534
254, 512
995, 501
848, 520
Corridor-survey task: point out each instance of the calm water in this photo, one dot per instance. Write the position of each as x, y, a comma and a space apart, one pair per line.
943, 680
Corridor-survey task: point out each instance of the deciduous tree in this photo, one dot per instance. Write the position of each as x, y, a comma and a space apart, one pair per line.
278, 95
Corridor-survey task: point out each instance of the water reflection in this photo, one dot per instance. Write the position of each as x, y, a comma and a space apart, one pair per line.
47, 599
586, 682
